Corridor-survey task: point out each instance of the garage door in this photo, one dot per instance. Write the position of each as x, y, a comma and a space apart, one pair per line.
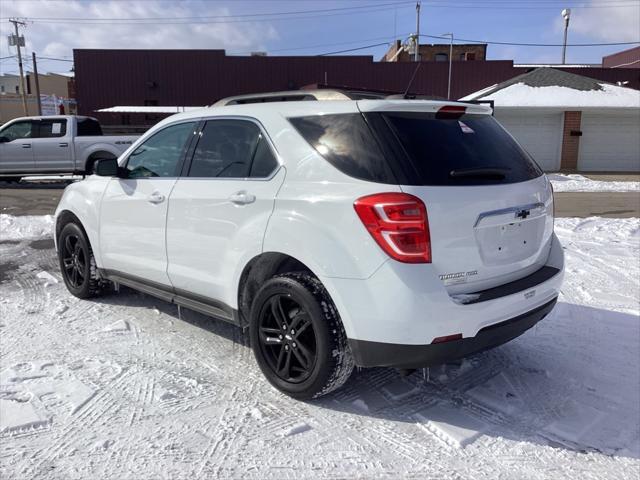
610, 142
539, 133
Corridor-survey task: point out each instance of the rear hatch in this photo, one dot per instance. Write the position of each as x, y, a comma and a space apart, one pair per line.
489, 207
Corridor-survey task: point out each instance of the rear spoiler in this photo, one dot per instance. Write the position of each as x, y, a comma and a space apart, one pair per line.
491, 104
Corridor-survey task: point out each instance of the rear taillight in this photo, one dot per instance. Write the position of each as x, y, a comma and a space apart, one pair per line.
398, 223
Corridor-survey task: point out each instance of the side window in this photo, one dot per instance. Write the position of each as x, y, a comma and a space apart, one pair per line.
51, 128
159, 155
264, 161
17, 130
225, 149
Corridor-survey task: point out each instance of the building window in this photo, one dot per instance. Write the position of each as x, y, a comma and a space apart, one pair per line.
17, 89
463, 56
1, 88
471, 56
442, 57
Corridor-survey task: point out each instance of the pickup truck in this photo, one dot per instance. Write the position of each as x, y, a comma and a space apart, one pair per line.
54, 145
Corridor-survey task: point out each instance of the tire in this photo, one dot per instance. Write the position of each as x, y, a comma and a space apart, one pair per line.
315, 359
11, 179
77, 263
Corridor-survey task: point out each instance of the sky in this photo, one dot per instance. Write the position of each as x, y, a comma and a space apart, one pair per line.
287, 27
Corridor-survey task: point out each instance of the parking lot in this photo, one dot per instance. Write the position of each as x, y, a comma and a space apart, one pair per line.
41, 198
127, 386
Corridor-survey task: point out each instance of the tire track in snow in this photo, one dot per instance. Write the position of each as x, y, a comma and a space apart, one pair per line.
77, 425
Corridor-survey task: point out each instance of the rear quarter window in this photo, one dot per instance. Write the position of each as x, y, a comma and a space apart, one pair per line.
346, 141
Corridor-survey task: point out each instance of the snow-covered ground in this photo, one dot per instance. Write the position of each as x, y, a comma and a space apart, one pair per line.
579, 183
123, 388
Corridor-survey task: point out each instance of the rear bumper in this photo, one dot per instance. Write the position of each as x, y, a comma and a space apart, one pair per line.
403, 304
376, 354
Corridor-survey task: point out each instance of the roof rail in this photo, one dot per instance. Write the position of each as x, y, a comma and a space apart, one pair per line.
288, 96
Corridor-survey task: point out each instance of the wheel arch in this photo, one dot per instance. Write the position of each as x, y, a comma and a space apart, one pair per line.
257, 271
65, 217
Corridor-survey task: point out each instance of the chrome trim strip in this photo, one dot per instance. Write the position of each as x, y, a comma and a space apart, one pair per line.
504, 211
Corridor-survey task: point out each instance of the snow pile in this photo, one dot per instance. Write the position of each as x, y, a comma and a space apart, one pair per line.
579, 183
31, 227
522, 95
602, 262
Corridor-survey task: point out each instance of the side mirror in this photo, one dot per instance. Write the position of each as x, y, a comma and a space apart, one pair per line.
106, 167
5, 139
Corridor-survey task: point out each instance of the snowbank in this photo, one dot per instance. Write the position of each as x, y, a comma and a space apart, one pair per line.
29, 226
579, 183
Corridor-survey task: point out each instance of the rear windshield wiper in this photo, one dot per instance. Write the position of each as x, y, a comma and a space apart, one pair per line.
486, 172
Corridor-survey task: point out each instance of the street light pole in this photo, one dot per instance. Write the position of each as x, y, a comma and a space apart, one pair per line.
450, 60
416, 53
566, 14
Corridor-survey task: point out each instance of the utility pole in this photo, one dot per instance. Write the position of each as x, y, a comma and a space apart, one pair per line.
566, 14
22, 88
35, 74
450, 60
416, 53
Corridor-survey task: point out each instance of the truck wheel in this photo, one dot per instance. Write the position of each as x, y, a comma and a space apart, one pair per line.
11, 179
297, 337
77, 264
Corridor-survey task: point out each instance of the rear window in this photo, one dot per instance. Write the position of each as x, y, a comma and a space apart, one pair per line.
418, 148
88, 127
458, 149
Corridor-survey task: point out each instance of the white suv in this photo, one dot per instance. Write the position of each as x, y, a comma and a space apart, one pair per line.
402, 233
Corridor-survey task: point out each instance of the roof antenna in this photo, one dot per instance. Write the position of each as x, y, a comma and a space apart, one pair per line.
411, 81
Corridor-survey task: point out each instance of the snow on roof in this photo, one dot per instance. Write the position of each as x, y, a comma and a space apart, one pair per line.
547, 87
521, 95
141, 109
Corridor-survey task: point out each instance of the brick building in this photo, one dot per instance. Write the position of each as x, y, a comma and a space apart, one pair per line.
106, 78
437, 52
629, 58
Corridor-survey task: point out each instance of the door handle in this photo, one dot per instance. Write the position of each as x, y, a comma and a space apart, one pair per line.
242, 198
63, 144
26, 145
155, 197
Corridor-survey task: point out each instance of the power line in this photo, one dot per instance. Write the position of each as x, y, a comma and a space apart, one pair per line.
54, 59
536, 44
309, 47
353, 49
237, 18
290, 15
525, 7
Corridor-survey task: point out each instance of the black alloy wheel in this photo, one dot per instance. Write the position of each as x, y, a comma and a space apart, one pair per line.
74, 261
77, 263
287, 339
298, 338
